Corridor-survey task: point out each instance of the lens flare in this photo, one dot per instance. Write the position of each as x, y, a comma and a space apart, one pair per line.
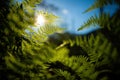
40, 20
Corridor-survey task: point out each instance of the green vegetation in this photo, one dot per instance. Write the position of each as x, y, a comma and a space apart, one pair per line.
62, 56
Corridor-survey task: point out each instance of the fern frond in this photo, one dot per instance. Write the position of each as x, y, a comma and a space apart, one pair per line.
44, 32
31, 3
64, 74
50, 29
100, 3
101, 21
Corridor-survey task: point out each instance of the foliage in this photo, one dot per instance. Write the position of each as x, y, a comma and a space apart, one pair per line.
102, 47
24, 57
17, 49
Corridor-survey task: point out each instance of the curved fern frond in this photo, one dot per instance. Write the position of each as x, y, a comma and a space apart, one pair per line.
45, 31
50, 29
101, 20
101, 3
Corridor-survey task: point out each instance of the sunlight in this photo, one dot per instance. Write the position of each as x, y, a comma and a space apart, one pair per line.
40, 20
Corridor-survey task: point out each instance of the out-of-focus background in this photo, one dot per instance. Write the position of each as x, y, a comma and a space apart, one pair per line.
71, 13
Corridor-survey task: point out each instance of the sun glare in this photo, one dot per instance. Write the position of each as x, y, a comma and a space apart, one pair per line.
40, 20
